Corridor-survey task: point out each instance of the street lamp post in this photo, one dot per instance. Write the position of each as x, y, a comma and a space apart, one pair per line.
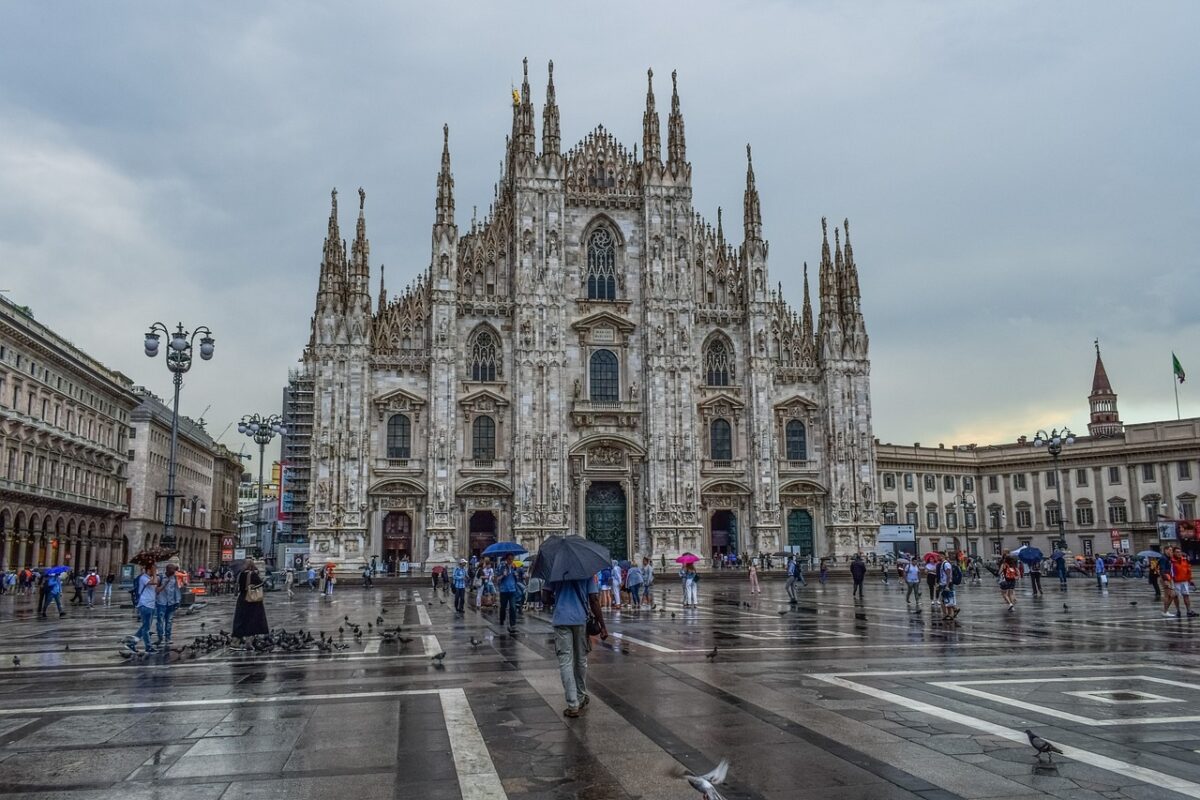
262, 430
1054, 442
179, 361
966, 501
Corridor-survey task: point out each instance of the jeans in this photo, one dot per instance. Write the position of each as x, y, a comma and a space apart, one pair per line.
791, 587
1035, 582
163, 618
913, 591
571, 646
689, 593
635, 593
508, 603
91, 596
1062, 576
146, 615
46, 600
460, 599
858, 590
107, 592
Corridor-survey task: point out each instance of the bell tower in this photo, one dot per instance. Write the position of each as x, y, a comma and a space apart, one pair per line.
1102, 402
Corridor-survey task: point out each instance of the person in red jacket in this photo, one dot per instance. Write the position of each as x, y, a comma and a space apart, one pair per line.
1181, 575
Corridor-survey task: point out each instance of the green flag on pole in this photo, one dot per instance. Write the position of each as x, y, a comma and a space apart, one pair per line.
1177, 367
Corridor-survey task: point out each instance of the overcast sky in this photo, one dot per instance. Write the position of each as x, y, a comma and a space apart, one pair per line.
1020, 177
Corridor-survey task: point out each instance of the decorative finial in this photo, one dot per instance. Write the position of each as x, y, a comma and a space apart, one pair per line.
362, 198
1097, 343
824, 228
650, 77
674, 85
552, 68
525, 66
749, 159
445, 134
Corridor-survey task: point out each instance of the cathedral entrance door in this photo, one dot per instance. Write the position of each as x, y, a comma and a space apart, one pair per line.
397, 539
800, 531
605, 518
482, 532
724, 532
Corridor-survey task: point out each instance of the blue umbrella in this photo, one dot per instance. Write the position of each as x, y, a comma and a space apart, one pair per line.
503, 549
56, 570
1030, 555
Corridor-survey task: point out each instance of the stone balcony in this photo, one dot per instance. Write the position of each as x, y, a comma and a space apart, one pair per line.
59, 496
606, 413
722, 466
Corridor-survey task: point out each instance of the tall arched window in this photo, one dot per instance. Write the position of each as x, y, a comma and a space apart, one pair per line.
718, 362
483, 439
399, 437
601, 265
721, 440
485, 355
797, 441
605, 384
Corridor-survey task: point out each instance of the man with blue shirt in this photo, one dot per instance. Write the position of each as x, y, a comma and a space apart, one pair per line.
572, 599
506, 584
145, 590
167, 600
458, 581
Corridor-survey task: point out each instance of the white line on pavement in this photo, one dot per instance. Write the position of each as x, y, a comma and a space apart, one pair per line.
477, 776
1150, 776
212, 701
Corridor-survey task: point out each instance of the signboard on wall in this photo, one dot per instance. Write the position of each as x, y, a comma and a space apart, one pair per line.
897, 533
1115, 536
1167, 529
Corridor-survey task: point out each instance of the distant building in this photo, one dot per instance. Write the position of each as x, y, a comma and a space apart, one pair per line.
64, 458
1123, 487
296, 456
225, 517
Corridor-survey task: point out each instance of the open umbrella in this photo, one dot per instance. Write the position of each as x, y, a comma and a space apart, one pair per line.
687, 558
931, 557
1149, 554
624, 564
503, 549
569, 558
1030, 555
56, 570
152, 556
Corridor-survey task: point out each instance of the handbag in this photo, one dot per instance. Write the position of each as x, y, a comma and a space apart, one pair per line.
592, 627
254, 593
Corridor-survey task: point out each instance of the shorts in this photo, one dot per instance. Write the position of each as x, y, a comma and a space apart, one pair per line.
1183, 588
1007, 585
949, 597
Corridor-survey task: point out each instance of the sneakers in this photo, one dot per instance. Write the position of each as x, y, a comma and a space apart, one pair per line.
583, 703
1012, 608
1169, 614
572, 713
1191, 613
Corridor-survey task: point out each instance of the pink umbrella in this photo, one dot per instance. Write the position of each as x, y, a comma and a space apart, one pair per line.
687, 558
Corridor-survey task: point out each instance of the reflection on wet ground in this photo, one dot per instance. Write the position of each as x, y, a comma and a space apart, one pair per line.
828, 698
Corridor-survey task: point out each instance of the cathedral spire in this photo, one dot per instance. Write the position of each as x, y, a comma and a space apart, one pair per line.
827, 284
807, 317
445, 184
720, 227
333, 261
382, 291
359, 270
751, 207
651, 143
523, 134
676, 145
551, 139
850, 279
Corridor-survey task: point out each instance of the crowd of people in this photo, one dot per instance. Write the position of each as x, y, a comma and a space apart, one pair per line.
48, 585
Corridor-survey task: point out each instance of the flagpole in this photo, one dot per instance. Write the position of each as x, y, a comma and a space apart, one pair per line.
1176, 382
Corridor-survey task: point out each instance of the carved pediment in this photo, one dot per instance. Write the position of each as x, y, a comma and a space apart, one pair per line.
397, 487
803, 487
603, 328
483, 488
722, 404
398, 400
483, 401
797, 407
725, 487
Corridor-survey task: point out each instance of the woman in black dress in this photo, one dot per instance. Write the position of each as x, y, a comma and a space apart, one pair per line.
249, 619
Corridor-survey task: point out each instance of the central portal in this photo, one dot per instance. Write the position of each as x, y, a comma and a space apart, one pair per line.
605, 517
397, 539
724, 533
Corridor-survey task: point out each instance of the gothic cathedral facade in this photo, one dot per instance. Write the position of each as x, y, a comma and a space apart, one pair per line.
591, 357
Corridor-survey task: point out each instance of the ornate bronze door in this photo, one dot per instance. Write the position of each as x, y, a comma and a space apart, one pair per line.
800, 530
605, 518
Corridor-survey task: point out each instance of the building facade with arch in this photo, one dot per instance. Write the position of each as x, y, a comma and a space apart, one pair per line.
590, 356
64, 419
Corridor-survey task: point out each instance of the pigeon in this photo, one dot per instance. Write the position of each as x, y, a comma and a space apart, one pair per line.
475, 642
1133, 602
379, 621
347, 618
710, 656
201, 626
707, 783
672, 615
1066, 607
1041, 745
16, 661
341, 631
383, 611
407, 639
781, 613
125, 654
439, 658
67, 648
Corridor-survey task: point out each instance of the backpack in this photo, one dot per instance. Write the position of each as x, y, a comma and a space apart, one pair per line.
956, 575
91, 580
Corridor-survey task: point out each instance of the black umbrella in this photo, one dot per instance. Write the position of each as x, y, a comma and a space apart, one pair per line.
569, 558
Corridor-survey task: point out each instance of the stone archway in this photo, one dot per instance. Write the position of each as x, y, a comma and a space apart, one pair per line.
723, 532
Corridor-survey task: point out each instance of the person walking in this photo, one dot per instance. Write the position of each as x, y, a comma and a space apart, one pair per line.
506, 582
1101, 571
858, 571
931, 578
618, 580
145, 593
1008, 581
52, 587
1181, 578
912, 583
574, 602
289, 581
166, 602
689, 578
459, 582
947, 573
1060, 567
1035, 578
90, 582
77, 585
634, 580
311, 575
109, 580
754, 578
1153, 573
823, 575
249, 614
795, 574
330, 582
647, 581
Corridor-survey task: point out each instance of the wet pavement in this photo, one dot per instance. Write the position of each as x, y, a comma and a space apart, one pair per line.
828, 699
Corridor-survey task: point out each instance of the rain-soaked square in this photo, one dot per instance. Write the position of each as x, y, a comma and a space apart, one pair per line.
829, 697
